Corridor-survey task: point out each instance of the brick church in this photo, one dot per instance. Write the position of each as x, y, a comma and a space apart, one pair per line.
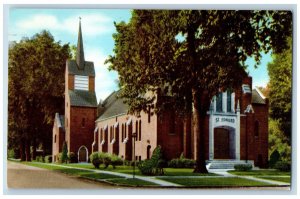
236, 124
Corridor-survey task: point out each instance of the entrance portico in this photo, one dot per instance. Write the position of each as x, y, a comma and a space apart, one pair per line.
224, 132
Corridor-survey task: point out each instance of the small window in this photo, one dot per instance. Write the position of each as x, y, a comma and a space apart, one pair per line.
140, 130
149, 114
83, 122
122, 132
54, 138
229, 101
137, 130
246, 88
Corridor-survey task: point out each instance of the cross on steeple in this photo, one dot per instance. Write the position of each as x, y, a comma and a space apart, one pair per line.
80, 53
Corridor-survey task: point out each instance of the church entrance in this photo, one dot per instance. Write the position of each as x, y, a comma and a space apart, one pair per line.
82, 154
224, 146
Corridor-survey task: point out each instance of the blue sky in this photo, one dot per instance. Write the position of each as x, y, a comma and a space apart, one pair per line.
97, 29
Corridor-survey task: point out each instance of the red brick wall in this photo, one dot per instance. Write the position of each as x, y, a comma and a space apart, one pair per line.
81, 135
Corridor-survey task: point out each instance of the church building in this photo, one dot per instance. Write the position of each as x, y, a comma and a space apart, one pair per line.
236, 126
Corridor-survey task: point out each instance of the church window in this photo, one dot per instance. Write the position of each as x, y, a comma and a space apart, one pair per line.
125, 135
140, 130
229, 101
122, 132
81, 82
256, 129
149, 114
246, 88
54, 138
219, 102
137, 130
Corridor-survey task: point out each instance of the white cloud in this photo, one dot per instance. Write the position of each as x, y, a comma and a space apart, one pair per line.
105, 80
93, 24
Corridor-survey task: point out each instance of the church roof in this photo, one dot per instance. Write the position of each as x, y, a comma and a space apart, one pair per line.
257, 97
87, 71
83, 98
112, 106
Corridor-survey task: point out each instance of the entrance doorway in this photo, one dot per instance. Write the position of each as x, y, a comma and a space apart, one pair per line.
82, 154
222, 145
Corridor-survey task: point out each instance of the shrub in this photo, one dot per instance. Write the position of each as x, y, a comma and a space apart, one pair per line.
95, 160
181, 162
243, 167
155, 165
283, 166
39, 158
105, 159
59, 156
116, 161
64, 156
10, 153
72, 157
274, 158
48, 158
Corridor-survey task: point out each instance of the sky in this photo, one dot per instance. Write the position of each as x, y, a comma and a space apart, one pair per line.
97, 29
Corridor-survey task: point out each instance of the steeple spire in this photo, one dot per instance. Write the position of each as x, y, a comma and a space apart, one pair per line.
80, 53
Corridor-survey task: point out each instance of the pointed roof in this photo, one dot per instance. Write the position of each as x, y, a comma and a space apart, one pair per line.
80, 54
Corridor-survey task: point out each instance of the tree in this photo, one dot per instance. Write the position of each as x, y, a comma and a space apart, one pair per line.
193, 54
281, 88
64, 154
35, 91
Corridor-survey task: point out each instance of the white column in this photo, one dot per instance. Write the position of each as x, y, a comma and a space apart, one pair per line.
232, 101
224, 102
237, 132
211, 137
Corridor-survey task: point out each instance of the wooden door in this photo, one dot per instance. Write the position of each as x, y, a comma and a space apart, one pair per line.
221, 143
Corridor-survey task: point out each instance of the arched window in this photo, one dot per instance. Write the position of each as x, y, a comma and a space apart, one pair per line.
137, 130
149, 114
256, 129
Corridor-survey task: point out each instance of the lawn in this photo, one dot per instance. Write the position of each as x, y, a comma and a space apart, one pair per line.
131, 182
263, 172
129, 170
286, 179
215, 182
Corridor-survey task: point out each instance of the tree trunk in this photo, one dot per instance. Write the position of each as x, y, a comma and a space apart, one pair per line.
27, 149
34, 149
199, 122
22, 150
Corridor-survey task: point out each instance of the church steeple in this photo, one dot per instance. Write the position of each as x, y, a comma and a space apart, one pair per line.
80, 54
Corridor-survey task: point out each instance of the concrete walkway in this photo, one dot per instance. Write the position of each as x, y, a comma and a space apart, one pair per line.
226, 174
145, 178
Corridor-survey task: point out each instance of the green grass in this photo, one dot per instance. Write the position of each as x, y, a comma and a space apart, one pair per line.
184, 172
132, 182
263, 172
280, 179
213, 182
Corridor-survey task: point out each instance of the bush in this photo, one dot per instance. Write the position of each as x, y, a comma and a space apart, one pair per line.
116, 161
64, 156
72, 157
243, 167
283, 166
181, 162
105, 159
39, 159
10, 153
155, 165
59, 156
48, 158
274, 158
95, 160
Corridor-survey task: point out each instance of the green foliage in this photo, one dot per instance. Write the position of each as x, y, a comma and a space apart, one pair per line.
40, 159
36, 68
181, 162
243, 167
283, 166
10, 153
72, 157
274, 158
59, 158
278, 141
281, 88
147, 56
155, 165
48, 159
98, 158
116, 161
64, 154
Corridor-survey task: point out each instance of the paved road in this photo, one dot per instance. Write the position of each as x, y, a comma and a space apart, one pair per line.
22, 176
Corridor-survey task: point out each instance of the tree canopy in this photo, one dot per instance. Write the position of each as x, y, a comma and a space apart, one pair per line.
280, 73
35, 90
194, 54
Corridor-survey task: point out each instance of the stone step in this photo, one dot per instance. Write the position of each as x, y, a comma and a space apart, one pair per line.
227, 164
